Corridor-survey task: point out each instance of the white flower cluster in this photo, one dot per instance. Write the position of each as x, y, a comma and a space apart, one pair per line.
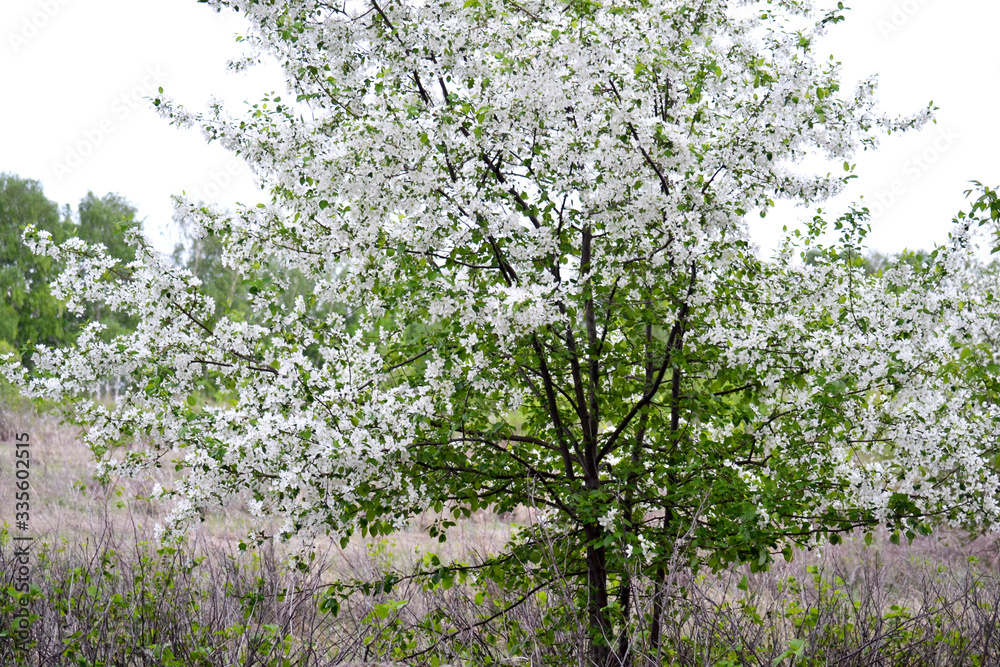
515, 208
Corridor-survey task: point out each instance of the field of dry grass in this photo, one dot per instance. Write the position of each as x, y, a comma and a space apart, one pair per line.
85, 532
106, 594
68, 504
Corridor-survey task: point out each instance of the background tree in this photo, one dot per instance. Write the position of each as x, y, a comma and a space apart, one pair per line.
536, 215
105, 220
202, 255
873, 261
29, 315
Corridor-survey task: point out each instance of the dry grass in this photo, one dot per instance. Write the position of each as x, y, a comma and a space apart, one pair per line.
208, 593
108, 595
936, 602
67, 503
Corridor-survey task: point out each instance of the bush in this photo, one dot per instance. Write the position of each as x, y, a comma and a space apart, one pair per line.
112, 602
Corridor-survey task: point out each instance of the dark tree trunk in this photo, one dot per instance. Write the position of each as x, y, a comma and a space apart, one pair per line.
625, 601
659, 592
597, 601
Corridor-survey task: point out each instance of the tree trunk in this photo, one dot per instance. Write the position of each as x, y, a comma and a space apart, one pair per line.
597, 601
659, 592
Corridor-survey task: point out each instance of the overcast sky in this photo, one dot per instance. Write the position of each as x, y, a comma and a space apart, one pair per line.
74, 75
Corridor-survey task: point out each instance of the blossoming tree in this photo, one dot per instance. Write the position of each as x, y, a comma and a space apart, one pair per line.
526, 224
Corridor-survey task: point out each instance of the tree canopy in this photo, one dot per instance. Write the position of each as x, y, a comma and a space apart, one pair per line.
28, 313
526, 227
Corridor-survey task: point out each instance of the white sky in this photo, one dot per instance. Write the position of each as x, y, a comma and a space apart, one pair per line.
73, 74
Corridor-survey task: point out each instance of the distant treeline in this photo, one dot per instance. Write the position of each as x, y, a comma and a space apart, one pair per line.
31, 315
